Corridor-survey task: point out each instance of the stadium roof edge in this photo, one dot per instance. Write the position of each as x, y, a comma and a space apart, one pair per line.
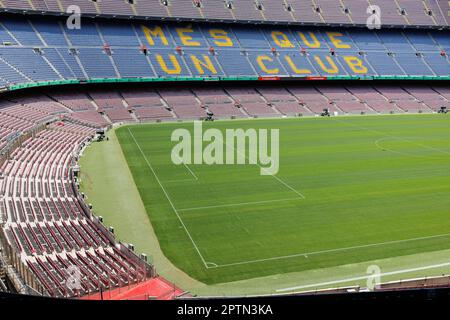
225, 21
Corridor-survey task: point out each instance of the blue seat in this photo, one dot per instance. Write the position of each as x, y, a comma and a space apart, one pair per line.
383, 64
202, 63
5, 37
297, 64
439, 64
266, 64
235, 63
96, 63
87, 35
413, 65
251, 38
55, 58
366, 40
50, 31
29, 63
139, 67
71, 62
443, 39
394, 41
118, 34
168, 63
193, 39
22, 31
421, 40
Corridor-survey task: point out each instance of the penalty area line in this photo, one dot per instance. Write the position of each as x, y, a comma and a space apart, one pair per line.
434, 266
306, 254
238, 204
301, 195
169, 199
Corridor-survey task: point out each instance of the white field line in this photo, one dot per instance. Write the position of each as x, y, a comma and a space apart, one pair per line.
185, 165
192, 172
238, 204
178, 181
392, 136
274, 176
306, 254
189, 169
434, 266
168, 198
378, 141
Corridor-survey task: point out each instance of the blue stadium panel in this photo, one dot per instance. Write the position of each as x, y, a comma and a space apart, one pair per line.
168, 63
96, 63
202, 63
383, 64
87, 35
297, 64
421, 40
339, 40
266, 64
10, 75
235, 63
251, 38
54, 57
22, 31
394, 41
220, 37
119, 34
281, 38
71, 62
443, 39
310, 39
154, 36
5, 37
50, 31
29, 63
188, 36
327, 64
413, 65
139, 66
439, 64
3, 83
366, 40
356, 65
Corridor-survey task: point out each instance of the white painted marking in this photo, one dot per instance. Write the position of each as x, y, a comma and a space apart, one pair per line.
238, 204
168, 198
307, 254
274, 176
434, 266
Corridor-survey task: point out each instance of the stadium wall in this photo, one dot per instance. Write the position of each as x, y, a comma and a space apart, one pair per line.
36, 52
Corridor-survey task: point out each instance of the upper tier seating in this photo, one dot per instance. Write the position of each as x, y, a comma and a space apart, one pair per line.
352, 12
37, 50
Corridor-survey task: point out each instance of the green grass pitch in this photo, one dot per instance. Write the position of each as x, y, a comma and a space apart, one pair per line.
374, 187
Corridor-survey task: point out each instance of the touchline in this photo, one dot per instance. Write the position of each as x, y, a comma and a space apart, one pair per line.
237, 147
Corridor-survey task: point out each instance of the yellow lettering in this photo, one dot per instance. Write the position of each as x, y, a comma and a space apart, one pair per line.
176, 68
206, 63
294, 68
333, 67
260, 60
315, 43
281, 39
187, 39
355, 64
156, 32
338, 44
221, 38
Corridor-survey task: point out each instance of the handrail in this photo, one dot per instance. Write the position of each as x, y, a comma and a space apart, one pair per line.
22, 86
